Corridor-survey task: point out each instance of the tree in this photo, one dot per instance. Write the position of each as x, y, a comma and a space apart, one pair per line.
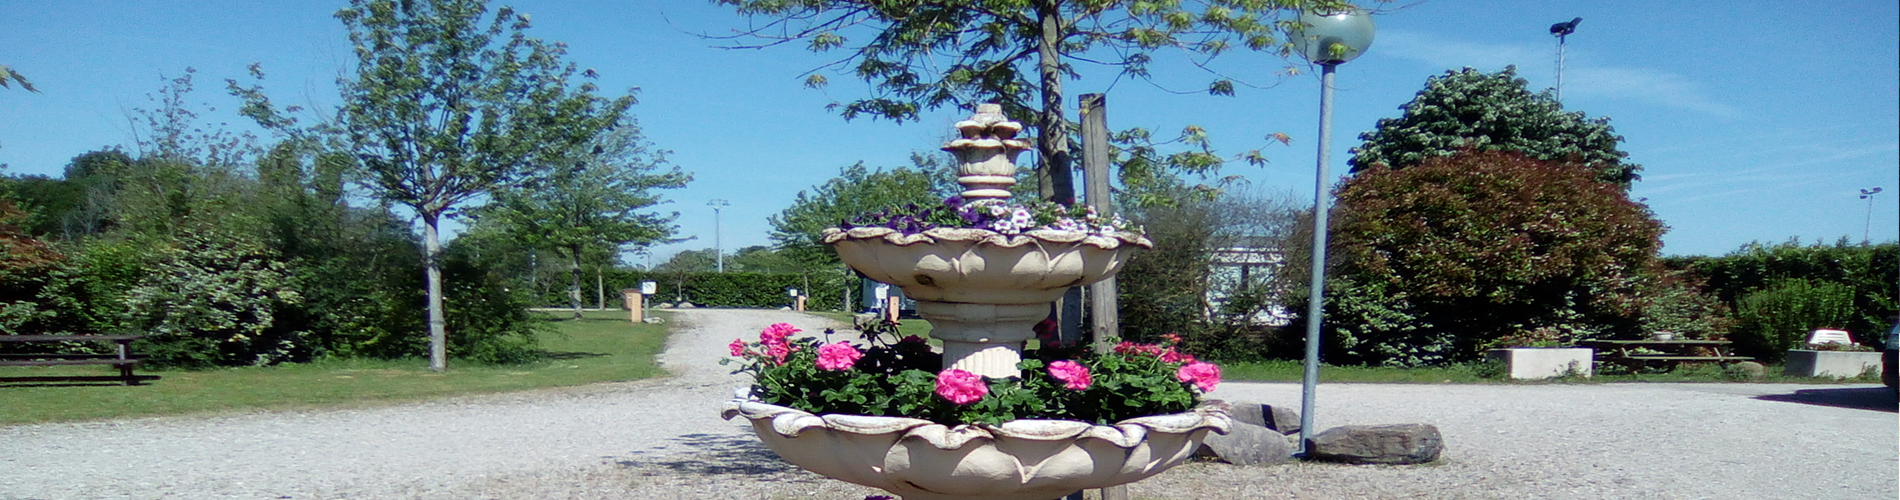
1440, 259
443, 110
25, 262
798, 231
597, 197
690, 261
923, 54
7, 74
1471, 109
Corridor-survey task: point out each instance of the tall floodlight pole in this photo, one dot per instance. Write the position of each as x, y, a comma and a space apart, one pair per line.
719, 247
1868, 227
1562, 30
1327, 39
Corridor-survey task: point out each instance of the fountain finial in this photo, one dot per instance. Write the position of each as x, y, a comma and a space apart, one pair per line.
986, 153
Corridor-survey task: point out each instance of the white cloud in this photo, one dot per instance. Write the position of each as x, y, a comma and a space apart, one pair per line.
1646, 85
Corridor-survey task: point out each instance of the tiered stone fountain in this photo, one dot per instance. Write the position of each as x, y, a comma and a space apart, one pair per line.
982, 291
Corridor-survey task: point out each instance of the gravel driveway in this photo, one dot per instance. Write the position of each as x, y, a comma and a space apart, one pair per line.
663, 439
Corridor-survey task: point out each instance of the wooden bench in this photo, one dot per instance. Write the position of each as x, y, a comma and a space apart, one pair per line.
1669, 352
123, 359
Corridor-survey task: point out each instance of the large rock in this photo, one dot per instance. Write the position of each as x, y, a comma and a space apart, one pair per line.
1377, 444
1277, 418
1246, 444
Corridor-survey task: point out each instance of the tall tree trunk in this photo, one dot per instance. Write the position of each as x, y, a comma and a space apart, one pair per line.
574, 279
1055, 181
432, 267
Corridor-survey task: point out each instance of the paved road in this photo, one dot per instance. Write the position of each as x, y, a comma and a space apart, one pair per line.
663, 439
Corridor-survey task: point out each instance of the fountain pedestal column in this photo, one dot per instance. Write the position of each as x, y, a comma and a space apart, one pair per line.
985, 339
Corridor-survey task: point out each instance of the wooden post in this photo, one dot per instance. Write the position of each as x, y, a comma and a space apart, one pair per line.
1106, 317
636, 304
799, 305
891, 304
1105, 312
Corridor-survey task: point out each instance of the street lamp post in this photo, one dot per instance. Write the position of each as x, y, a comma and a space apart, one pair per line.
1562, 31
1327, 39
719, 248
1868, 227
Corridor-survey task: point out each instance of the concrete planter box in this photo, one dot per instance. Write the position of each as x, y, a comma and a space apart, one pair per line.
1544, 362
1837, 364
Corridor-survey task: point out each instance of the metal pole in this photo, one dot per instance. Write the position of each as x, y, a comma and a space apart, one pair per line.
1315, 305
719, 247
1867, 227
1560, 68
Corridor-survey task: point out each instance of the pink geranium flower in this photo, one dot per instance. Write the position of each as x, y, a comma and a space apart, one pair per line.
737, 346
1172, 356
1204, 376
778, 352
778, 332
1072, 374
961, 387
839, 356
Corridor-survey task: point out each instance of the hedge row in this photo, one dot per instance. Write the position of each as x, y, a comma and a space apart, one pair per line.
710, 289
1780, 292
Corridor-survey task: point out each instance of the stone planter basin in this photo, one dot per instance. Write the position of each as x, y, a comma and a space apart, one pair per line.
983, 267
1836, 364
1019, 460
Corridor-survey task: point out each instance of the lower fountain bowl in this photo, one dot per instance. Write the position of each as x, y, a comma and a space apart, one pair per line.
1018, 460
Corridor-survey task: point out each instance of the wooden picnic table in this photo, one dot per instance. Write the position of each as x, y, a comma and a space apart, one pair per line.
1667, 352
123, 358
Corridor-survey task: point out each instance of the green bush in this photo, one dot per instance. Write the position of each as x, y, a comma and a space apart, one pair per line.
1868, 271
210, 299
1676, 303
1779, 317
1438, 260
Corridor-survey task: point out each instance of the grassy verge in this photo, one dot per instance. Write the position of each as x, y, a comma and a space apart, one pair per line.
601, 347
912, 326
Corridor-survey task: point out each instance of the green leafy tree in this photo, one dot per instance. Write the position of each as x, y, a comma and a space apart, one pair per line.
8, 74
599, 197
1469, 109
690, 261
1448, 256
924, 54
25, 264
798, 230
763, 259
449, 103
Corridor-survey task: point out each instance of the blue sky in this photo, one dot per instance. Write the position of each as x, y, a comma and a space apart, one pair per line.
1754, 120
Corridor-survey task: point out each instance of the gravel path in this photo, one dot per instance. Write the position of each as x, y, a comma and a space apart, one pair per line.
663, 439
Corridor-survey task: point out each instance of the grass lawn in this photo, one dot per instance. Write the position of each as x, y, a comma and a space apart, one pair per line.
601, 347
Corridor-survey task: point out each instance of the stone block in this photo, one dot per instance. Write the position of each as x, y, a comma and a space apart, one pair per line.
1837, 364
1545, 362
1395, 444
